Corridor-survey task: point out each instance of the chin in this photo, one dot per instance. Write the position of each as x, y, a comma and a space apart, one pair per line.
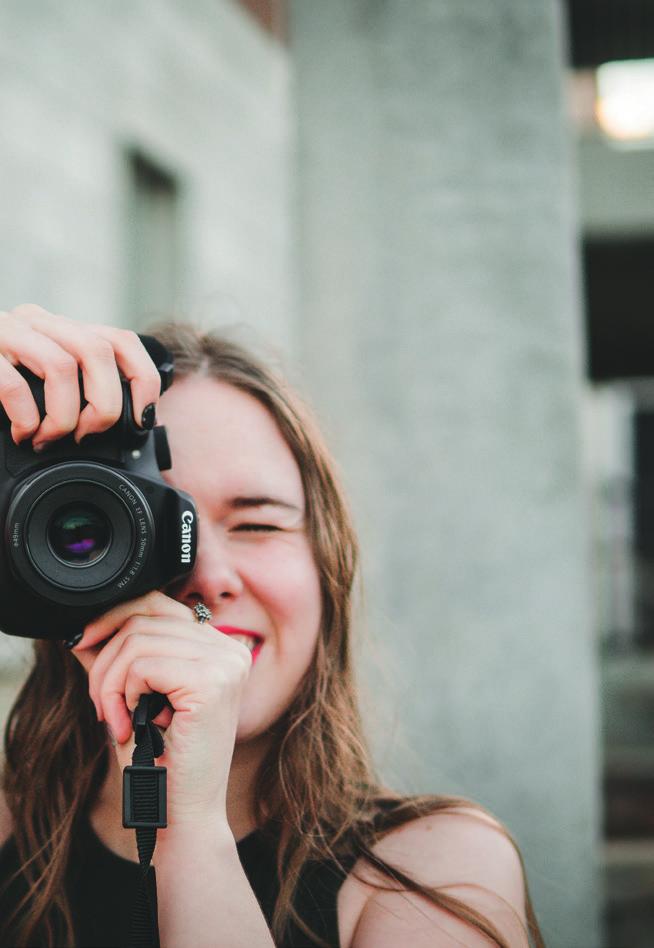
256, 722
251, 727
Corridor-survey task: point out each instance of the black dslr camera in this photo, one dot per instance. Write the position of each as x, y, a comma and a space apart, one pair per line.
86, 527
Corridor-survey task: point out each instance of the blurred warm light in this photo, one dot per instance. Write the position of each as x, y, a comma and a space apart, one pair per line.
624, 107
581, 98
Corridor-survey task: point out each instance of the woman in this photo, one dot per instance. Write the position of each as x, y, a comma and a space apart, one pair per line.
279, 832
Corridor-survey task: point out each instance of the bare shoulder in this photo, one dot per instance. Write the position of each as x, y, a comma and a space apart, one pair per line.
5, 820
466, 853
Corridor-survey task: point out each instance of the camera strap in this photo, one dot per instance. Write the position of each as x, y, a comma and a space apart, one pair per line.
144, 809
144, 784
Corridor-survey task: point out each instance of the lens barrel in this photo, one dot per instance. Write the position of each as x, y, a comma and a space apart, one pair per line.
79, 532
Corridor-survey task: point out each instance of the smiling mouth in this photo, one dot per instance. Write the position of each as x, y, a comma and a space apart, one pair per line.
252, 640
248, 640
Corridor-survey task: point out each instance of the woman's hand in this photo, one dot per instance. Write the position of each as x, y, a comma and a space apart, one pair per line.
53, 348
154, 644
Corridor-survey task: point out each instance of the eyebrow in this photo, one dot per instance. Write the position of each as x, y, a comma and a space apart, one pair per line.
243, 503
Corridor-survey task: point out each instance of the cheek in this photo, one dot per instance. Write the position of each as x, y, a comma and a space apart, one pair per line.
287, 656
289, 590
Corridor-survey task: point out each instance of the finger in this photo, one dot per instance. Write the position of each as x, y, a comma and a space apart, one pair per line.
136, 365
96, 358
224, 662
19, 343
107, 626
18, 402
144, 675
164, 719
87, 657
124, 751
154, 603
139, 633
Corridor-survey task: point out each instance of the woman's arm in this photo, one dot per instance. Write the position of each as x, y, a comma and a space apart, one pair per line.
154, 644
467, 854
203, 895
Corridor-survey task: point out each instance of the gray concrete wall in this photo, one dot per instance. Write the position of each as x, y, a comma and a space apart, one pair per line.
203, 90
440, 336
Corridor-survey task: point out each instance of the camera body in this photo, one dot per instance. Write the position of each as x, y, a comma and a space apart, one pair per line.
87, 526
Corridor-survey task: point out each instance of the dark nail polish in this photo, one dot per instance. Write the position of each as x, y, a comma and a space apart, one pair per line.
71, 643
147, 418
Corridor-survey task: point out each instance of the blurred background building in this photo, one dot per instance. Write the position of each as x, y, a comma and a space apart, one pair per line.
440, 216
611, 86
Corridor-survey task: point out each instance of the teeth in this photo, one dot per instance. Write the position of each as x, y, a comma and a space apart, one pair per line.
248, 640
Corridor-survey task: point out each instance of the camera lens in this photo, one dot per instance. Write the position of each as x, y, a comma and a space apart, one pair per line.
79, 534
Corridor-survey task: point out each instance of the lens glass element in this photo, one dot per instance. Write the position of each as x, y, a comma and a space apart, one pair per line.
79, 534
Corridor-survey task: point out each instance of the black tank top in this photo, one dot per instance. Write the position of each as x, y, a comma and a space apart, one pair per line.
101, 887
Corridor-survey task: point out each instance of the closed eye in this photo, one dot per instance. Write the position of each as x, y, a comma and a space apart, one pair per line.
254, 527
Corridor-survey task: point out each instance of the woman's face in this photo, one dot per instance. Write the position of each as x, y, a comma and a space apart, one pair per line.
254, 569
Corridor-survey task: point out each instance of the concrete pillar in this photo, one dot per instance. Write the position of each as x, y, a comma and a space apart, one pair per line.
439, 334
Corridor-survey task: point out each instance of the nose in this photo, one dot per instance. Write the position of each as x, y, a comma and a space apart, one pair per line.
215, 578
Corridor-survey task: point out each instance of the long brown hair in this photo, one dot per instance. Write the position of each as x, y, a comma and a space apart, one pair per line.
316, 785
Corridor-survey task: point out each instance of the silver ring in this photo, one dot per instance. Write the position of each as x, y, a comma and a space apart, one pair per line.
202, 613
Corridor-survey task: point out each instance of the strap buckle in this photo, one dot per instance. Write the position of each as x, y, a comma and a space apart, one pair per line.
144, 797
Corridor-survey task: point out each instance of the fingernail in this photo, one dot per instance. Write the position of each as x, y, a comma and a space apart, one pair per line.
111, 735
72, 642
40, 446
148, 417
